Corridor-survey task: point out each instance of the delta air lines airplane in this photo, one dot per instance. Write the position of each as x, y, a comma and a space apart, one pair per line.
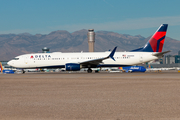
75, 61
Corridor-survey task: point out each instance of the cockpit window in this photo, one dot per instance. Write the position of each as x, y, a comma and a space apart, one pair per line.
15, 58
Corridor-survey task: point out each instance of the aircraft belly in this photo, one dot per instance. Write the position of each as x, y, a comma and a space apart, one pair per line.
55, 64
122, 62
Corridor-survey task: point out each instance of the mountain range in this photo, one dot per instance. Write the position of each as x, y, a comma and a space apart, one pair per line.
12, 45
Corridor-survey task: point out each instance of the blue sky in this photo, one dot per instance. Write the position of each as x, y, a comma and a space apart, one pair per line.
134, 17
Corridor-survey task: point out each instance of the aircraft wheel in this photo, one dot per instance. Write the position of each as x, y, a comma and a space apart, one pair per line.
89, 70
96, 71
23, 72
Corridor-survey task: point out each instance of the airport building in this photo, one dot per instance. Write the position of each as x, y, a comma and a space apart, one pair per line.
172, 59
45, 50
168, 61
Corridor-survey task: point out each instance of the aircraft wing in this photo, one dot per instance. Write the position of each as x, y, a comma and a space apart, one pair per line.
97, 61
161, 53
93, 62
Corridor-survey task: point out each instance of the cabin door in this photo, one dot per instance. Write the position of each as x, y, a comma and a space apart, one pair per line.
26, 60
141, 57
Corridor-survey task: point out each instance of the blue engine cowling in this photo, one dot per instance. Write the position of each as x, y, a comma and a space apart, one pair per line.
72, 67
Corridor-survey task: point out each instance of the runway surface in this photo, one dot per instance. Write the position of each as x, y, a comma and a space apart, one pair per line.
96, 96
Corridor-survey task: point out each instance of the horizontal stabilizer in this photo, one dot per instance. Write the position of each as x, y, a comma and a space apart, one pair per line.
161, 53
136, 50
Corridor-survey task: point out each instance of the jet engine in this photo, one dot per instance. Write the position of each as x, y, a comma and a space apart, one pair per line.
72, 67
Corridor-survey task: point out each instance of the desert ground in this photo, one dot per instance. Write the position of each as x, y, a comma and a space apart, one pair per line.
94, 96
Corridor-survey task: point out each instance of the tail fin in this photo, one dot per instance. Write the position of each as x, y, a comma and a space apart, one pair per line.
120, 68
1, 67
149, 66
156, 42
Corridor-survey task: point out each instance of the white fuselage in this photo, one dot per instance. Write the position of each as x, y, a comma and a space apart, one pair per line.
58, 59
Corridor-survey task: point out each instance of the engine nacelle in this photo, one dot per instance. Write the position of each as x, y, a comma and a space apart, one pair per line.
72, 67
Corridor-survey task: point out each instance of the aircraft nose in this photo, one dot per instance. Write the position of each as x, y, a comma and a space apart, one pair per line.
10, 63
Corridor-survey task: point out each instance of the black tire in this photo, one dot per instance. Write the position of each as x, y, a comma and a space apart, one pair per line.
89, 70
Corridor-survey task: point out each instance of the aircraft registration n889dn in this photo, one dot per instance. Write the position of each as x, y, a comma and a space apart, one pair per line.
75, 61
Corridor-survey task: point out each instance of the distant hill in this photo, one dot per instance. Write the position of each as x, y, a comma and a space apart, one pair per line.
12, 45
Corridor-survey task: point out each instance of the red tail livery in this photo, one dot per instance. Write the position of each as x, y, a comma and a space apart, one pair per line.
156, 42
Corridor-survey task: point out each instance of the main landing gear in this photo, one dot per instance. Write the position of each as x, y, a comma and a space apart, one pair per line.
89, 70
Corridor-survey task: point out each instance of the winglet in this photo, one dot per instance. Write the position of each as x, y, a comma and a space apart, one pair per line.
112, 54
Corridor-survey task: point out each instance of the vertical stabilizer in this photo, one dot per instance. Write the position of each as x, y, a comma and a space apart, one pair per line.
1, 67
156, 42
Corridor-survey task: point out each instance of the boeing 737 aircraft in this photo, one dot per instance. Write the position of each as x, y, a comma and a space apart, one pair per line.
75, 61
131, 69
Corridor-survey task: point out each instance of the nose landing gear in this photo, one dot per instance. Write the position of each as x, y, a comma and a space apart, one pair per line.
23, 71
